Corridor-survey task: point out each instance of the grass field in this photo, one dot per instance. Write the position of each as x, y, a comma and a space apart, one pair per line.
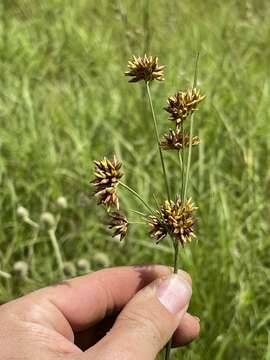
64, 101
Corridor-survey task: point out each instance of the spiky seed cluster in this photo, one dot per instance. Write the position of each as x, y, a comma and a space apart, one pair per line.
176, 140
146, 68
107, 176
119, 224
158, 229
182, 104
175, 218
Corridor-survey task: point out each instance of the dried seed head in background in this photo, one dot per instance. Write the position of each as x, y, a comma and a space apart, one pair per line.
61, 202
176, 218
69, 269
146, 68
22, 212
119, 224
182, 104
101, 260
48, 219
176, 140
107, 176
21, 269
83, 265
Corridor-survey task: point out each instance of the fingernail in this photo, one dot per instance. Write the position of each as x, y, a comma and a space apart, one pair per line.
174, 293
196, 318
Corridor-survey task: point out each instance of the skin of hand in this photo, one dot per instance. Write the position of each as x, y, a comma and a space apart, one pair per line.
122, 313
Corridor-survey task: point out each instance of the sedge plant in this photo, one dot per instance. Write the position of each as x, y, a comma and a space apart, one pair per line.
174, 218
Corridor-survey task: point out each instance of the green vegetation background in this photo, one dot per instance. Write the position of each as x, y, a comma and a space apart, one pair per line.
64, 101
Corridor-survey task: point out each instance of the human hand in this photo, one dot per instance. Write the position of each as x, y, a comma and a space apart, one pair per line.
123, 313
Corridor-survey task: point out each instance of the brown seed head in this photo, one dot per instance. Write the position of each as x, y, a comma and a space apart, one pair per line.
157, 228
119, 224
146, 68
174, 218
182, 104
107, 176
176, 140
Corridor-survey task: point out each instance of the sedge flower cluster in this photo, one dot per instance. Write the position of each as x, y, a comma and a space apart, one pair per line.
107, 176
174, 218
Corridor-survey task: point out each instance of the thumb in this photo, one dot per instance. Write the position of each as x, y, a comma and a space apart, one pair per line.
148, 321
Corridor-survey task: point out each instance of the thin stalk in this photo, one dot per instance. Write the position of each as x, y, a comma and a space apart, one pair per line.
156, 200
189, 155
168, 350
191, 130
158, 142
175, 269
31, 254
183, 190
5, 275
136, 222
138, 213
30, 222
56, 249
176, 251
180, 159
183, 167
133, 192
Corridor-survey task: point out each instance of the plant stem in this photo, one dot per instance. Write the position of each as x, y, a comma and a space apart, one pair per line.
175, 269
31, 252
158, 142
168, 350
136, 222
30, 222
138, 213
133, 192
56, 249
180, 159
183, 166
183, 190
191, 130
5, 275
189, 155
176, 251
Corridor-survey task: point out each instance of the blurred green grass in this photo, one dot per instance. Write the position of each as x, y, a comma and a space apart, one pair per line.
64, 101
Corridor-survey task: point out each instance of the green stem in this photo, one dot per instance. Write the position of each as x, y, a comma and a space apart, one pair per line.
191, 130
168, 350
133, 192
175, 269
30, 222
180, 159
31, 254
138, 213
158, 142
136, 222
189, 156
176, 251
5, 275
183, 167
56, 249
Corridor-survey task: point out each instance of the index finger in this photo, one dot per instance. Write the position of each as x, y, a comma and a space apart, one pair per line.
86, 300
